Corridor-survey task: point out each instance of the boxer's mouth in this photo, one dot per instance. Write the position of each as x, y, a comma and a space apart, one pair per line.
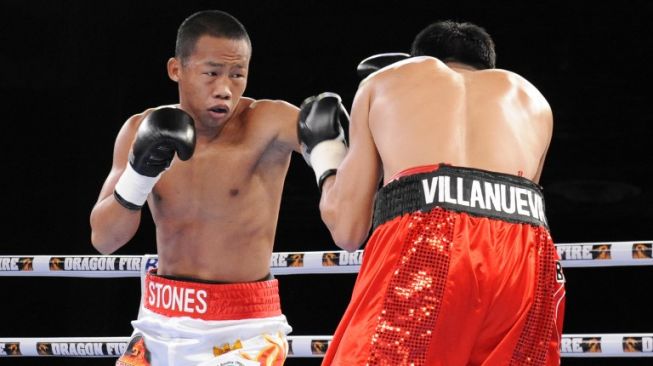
219, 111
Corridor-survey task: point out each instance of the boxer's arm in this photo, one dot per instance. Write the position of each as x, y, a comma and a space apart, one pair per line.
347, 198
286, 116
111, 224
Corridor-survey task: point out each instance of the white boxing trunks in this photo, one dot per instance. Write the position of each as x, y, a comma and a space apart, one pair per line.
184, 323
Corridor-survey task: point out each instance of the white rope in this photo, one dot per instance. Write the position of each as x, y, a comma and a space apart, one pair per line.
607, 345
300, 346
72, 266
606, 254
63, 347
572, 345
602, 254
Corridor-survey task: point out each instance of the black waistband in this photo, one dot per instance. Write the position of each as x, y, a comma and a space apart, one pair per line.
477, 192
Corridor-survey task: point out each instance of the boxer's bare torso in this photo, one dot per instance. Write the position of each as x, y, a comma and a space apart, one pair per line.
216, 213
424, 111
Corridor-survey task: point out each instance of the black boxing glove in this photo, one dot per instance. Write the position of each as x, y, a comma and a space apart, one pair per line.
161, 133
377, 62
321, 135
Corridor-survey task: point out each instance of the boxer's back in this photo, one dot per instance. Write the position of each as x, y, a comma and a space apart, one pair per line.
424, 112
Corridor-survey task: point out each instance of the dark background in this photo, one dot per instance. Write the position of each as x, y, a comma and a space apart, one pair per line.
71, 72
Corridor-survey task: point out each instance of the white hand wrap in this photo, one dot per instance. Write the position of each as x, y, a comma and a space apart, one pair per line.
134, 188
327, 156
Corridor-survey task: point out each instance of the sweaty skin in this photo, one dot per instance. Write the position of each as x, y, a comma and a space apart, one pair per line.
422, 111
216, 213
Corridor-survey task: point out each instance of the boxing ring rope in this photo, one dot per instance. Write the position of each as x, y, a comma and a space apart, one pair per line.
572, 345
98, 347
600, 254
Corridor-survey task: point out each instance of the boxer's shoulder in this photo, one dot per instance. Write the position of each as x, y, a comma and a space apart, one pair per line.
264, 108
269, 114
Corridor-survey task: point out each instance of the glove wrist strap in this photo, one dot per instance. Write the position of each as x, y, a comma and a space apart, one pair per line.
132, 189
324, 176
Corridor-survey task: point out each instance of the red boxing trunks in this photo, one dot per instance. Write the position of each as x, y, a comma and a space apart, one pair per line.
460, 270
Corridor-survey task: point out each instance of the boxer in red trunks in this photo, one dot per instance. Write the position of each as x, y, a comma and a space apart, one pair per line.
460, 268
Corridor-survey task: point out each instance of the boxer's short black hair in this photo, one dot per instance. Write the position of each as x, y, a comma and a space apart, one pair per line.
214, 23
451, 41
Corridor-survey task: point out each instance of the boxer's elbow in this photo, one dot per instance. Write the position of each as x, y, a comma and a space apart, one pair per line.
347, 218
102, 249
104, 245
348, 232
111, 227
350, 241
107, 239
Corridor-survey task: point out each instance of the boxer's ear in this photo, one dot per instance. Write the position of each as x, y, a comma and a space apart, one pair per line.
174, 69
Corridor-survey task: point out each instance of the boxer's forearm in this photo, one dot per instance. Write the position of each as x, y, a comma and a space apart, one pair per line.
112, 225
340, 215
